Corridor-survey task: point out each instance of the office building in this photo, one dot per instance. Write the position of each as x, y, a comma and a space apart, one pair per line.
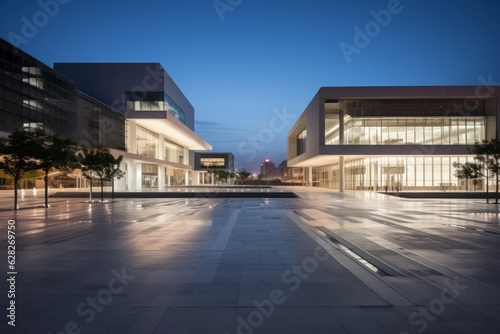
135, 110
395, 138
159, 121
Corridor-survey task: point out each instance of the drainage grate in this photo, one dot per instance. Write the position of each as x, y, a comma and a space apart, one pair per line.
303, 215
360, 256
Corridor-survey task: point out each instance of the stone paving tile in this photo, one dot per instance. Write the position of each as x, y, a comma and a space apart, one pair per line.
249, 320
182, 284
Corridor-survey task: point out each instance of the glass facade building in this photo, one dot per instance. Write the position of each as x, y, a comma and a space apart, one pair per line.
392, 138
34, 95
134, 109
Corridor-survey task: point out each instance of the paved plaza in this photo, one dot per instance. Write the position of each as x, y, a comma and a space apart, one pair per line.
325, 262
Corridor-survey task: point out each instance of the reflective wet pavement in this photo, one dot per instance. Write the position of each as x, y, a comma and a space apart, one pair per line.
257, 265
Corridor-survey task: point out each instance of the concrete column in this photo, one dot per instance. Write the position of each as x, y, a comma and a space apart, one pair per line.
310, 175
120, 185
161, 176
131, 172
186, 181
212, 179
341, 126
138, 177
168, 177
341, 174
186, 157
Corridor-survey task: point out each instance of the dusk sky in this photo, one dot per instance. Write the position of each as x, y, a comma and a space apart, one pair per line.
240, 67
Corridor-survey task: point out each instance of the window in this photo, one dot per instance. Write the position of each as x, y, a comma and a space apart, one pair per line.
301, 142
154, 101
212, 163
147, 143
173, 152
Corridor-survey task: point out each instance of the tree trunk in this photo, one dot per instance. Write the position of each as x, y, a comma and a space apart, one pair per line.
46, 188
496, 200
102, 190
487, 186
15, 194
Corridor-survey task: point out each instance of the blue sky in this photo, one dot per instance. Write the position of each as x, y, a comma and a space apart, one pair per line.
268, 56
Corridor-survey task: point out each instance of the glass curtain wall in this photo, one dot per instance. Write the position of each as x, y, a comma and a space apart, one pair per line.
410, 131
397, 173
405, 122
405, 173
173, 152
154, 101
147, 142
149, 176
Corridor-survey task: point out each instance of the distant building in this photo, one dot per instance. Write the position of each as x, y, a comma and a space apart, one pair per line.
211, 161
289, 173
269, 169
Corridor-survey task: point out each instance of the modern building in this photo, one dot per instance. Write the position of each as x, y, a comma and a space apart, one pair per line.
214, 161
33, 95
135, 110
289, 173
395, 138
159, 121
268, 168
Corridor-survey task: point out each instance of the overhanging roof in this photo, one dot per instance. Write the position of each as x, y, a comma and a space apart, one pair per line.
171, 128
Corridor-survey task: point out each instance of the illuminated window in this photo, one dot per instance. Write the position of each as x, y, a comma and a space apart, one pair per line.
154, 101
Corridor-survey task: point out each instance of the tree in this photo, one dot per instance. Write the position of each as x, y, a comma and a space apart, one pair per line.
488, 153
230, 175
244, 176
54, 152
469, 171
19, 151
113, 172
99, 162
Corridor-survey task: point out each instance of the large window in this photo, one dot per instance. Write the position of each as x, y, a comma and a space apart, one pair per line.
332, 122
149, 176
212, 163
405, 122
147, 143
409, 131
173, 152
404, 173
154, 101
302, 142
